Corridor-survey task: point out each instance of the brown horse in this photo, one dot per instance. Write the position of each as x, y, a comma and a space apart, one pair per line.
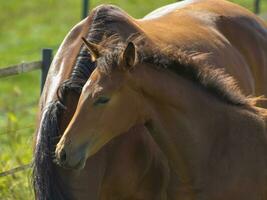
160, 116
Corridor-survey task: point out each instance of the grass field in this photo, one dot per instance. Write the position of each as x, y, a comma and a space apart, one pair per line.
25, 28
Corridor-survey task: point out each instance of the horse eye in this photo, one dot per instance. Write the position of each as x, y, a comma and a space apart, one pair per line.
101, 100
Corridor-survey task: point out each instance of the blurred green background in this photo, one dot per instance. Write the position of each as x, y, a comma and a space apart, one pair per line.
25, 28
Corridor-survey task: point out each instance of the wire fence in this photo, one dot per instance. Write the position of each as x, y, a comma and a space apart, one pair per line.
43, 65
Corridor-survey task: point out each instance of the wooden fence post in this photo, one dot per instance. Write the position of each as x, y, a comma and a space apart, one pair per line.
257, 6
47, 56
85, 8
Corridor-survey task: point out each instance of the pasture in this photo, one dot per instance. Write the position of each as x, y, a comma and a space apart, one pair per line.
26, 28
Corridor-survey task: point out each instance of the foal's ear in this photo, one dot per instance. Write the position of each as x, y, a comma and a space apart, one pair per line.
93, 48
128, 56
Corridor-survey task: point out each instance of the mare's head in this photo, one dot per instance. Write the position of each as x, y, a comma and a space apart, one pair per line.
108, 106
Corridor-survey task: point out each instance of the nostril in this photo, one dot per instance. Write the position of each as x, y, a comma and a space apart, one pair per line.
62, 156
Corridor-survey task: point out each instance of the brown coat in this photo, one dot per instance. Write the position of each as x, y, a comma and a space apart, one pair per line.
217, 33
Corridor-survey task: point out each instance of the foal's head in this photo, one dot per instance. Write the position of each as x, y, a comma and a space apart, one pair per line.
108, 106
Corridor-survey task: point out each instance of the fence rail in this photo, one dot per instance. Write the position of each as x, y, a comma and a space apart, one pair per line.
15, 170
47, 56
20, 68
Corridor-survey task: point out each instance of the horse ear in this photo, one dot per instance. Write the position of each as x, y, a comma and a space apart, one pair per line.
129, 56
93, 48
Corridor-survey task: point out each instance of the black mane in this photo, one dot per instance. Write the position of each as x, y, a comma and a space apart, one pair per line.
46, 181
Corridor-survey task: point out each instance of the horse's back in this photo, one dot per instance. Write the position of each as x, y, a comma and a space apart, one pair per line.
220, 33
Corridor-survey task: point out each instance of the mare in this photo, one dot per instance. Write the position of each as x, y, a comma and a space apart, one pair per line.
156, 108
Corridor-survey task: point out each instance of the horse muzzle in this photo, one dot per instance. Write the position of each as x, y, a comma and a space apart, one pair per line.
68, 159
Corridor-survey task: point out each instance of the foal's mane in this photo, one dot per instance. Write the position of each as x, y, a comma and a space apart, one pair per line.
209, 78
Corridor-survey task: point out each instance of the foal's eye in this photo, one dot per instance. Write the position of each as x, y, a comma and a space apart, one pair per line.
101, 100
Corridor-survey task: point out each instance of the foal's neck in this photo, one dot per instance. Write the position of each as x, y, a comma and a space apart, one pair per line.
188, 123
180, 107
